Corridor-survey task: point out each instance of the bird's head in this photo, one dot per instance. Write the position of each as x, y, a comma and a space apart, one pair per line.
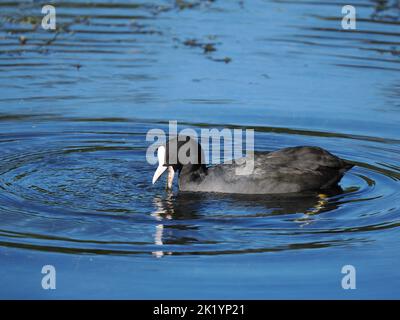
178, 152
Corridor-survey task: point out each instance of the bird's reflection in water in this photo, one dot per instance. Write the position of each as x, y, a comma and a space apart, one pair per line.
175, 207
160, 213
187, 206
164, 207
158, 241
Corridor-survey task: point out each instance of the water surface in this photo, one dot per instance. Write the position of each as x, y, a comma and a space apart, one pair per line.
75, 187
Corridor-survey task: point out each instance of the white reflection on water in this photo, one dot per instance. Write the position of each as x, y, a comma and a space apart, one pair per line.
158, 240
160, 214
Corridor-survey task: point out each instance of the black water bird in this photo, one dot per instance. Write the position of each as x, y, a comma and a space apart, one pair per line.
288, 170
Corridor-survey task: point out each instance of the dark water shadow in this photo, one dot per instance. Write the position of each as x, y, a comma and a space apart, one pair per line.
189, 205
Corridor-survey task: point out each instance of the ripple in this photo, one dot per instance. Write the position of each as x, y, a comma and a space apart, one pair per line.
89, 191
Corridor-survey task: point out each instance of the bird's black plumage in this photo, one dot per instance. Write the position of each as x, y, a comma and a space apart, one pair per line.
288, 170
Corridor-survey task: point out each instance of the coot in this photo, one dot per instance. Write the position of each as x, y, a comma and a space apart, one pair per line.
288, 170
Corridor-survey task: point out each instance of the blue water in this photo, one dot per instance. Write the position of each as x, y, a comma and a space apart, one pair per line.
75, 188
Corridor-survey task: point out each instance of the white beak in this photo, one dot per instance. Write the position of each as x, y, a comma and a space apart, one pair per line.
162, 167
160, 170
161, 161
